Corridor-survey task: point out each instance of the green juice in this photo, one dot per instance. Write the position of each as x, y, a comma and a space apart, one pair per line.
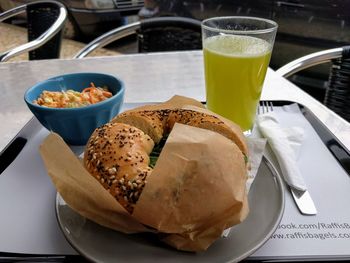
235, 68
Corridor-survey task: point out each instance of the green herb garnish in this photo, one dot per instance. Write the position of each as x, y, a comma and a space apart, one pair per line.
245, 158
156, 152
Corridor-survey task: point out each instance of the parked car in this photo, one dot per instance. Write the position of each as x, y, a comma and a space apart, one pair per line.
305, 26
89, 18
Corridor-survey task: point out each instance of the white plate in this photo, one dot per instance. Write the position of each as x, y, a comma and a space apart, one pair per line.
100, 244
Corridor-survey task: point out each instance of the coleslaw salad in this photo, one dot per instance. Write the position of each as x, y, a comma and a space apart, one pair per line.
73, 99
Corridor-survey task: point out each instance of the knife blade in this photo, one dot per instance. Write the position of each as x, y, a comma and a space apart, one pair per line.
304, 202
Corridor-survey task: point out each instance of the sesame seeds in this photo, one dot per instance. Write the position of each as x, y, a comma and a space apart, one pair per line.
112, 170
130, 190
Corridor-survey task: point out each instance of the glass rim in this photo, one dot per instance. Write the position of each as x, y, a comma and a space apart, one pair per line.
231, 31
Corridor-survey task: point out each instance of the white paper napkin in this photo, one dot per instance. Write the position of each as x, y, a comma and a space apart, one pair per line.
285, 143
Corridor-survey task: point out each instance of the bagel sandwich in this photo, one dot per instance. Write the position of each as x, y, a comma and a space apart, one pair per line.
122, 153
172, 169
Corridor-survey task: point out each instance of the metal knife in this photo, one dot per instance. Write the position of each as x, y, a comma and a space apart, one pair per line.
304, 201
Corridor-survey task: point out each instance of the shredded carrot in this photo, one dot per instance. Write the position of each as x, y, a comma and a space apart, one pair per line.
107, 94
72, 99
87, 89
91, 95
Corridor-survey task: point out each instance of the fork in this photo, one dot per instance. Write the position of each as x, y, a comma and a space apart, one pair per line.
302, 199
264, 107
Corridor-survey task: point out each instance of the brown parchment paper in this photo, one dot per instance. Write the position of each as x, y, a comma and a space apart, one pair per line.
196, 190
81, 191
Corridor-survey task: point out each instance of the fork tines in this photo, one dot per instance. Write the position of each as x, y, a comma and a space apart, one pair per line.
265, 107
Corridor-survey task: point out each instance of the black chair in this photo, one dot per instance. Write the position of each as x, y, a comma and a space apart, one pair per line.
154, 35
45, 20
338, 86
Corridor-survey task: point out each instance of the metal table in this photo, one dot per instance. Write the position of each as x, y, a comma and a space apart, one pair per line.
150, 77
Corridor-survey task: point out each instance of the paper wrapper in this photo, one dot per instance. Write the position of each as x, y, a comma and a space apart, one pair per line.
196, 190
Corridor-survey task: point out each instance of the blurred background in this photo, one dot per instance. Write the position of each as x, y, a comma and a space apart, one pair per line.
305, 26
88, 18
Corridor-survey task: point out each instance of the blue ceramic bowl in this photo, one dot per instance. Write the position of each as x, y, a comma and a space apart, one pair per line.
75, 125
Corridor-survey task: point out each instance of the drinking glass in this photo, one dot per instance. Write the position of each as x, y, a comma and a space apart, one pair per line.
237, 52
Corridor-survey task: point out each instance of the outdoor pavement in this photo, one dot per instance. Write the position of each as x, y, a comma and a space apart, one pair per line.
12, 36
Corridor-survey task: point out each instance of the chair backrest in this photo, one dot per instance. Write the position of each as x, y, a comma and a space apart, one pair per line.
169, 34
45, 20
338, 86
154, 34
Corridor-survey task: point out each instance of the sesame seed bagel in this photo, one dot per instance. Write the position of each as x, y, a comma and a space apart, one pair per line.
157, 123
117, 155
208, 122
151, 122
